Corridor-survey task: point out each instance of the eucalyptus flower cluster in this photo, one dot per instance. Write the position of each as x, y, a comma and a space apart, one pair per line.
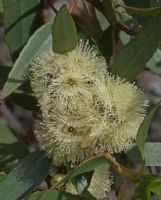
86, 111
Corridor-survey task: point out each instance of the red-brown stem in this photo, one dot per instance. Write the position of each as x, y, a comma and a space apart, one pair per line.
122, 192
73, 5
123, 171
121, 26
126, 29
44, 12
51, 5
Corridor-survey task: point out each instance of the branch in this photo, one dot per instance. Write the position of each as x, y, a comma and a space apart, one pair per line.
73, 5
123, 171
121, 26
51, 5
126, 29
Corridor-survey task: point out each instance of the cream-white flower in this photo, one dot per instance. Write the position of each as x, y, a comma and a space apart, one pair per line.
86, 111
48, 66
101, 182
122, 107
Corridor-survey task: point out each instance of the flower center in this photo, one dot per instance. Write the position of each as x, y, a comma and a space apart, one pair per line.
71, 129
71, 82
75, 131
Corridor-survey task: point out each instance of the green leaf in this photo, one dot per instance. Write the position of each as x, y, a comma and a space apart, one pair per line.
105, 43
1, 6
25, 177
28, 102
138, 4
155, 2
144, 128
65, 36
59, 195
1, 13
85, 195
53, 194
40, 41
104, 24
109, 12
134, 56
4, 71
157, 190
21, 19
23, 96
154, 63
134, 155
147, 185
2, 176
128, 20
156, 187
153, 154
84, 35
12, 149
142, 11
86, 166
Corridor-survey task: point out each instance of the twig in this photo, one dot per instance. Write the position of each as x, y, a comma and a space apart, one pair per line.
121, 26
73, 5
123, 171
51, 5
126, 29
45, 16
122, 190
